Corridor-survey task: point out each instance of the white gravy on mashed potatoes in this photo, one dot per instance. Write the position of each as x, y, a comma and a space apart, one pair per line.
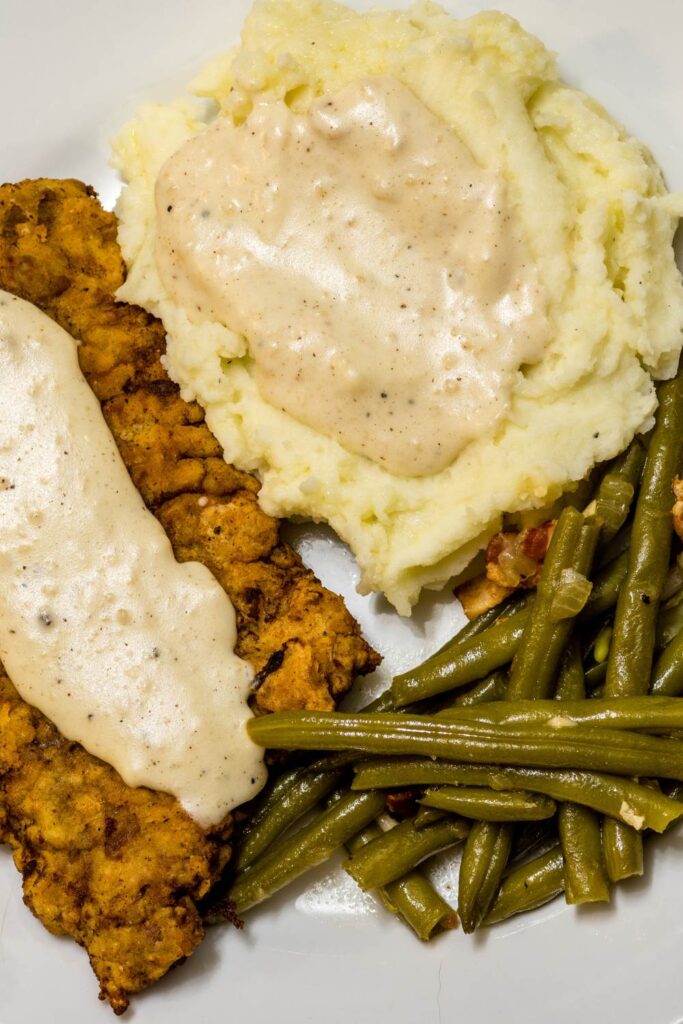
587, 199
127, 651
374, 267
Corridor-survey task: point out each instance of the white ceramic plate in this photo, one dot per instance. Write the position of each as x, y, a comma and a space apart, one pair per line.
70, 74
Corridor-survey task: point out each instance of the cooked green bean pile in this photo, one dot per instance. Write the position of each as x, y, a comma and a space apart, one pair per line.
546, 738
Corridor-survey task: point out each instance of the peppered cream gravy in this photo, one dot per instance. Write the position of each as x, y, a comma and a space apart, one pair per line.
127, 651
376, 270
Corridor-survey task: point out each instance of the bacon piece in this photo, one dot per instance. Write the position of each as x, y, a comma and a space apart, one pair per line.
514, 559
677, 510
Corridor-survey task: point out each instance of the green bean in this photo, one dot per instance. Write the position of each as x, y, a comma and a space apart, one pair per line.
468, 663
536, 661
483, 862
595, 676
473, 627
485, 856
585, 877
602, 644
667, 676
303, 793
532, 837
311, 845
584, 491
617, 489
650, 714
382, 703
674, 790
670, 620
510, 606
606, 586
613, 504
396, 852
629, 465
264, 805
488, 804
630, 662
621, 752
449, 652
579, 827
616, 547
623, 856
415, 900
622, 850
412, 898
588, 636
571, 684
492, 688
533, 671
427, 816
672, 591
529, 886
608, 794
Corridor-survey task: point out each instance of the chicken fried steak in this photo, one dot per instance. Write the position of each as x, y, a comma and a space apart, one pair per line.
122, 870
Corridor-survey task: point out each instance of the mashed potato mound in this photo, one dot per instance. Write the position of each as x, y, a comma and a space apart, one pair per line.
599, 223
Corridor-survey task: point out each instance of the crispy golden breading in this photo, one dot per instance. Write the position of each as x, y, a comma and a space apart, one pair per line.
120, 870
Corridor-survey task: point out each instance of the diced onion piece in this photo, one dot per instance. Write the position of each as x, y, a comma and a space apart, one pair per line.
571, 595
515, 566
611, 508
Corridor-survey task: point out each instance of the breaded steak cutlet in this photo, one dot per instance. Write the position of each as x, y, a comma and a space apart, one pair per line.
122, 870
